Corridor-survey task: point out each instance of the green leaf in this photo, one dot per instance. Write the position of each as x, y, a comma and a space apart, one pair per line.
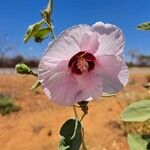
62, 144
146, 138
42, 34
71, 135
35, 85
144, 26
108, 94
47, 13
138, 111
148, 146
136, 142
32, 30
50, 7
47, 16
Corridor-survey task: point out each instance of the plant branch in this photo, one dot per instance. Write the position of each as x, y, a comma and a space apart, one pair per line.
34, 74
82, 117
83, 142
50, 25
75, 112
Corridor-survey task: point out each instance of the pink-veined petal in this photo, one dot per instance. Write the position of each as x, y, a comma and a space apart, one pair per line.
84, 41
61, 88
89, 43
64, 46
109, 72
124, 71
56, 81
111, 39
58, 84
124, 74
64, 88
47, 71
90, 85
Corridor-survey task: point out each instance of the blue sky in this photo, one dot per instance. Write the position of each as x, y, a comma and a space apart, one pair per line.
17, 15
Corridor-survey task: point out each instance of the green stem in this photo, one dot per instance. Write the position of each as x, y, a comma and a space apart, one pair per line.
34, 74
84, 108
50, 5
75, 112
83, 142
53, 34
82, 117
50, 25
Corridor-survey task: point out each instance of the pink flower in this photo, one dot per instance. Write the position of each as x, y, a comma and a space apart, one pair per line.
82, 62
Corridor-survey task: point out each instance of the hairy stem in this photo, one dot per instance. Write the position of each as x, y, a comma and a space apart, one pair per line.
82, 117
83, 142
75, 112
34, 74
50, 25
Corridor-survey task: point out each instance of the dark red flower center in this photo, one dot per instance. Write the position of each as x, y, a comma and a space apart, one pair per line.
82, 62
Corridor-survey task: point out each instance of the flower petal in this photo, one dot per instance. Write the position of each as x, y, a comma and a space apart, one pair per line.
45, 72
84, 41
111, 39
65, 88
90, 85
64, 46
89, 43
124, 74
109, 69
58, 84
61, 88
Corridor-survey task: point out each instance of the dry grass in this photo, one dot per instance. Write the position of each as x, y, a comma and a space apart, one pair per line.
29, 129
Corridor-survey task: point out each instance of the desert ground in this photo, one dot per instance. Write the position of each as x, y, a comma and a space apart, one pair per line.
37, 125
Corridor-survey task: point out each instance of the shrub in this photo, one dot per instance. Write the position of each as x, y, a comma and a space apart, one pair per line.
7, 106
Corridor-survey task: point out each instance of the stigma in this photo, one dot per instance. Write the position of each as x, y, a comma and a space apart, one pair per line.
82, 64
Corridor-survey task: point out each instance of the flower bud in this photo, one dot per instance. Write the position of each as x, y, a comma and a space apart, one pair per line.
84, 106
23, 69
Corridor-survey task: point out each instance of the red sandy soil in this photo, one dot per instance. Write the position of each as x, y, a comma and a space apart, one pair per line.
37, 126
